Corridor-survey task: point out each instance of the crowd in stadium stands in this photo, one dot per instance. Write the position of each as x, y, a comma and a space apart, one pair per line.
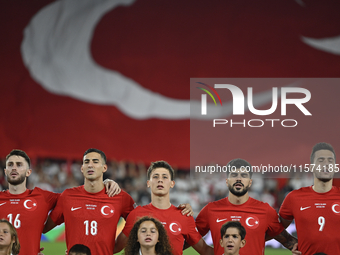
58, 175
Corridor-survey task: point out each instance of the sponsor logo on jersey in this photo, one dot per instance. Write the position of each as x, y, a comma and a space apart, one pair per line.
219, 220
304, 208
30, 204
75, 208
175, 228
336, 208
107, 211
252, 222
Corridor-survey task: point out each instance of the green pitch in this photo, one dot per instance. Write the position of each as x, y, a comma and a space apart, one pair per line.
58, 248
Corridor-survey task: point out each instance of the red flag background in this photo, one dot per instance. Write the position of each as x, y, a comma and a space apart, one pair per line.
161, 45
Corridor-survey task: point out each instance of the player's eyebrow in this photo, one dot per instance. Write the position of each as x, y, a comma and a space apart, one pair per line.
323, 158
89, 159
12, 162
233, 235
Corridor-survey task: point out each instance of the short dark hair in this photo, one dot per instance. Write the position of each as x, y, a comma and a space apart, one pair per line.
321, 146
160, 164
233, 224
80, 248
102, 154
238, 163
20, 153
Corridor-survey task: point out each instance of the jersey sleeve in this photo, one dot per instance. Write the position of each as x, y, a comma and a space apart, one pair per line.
57, 213
128, 205
51, 198
274, 225
130, 221
192, 236
202, 222
286, 208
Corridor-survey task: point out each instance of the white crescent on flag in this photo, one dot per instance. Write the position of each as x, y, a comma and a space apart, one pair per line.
66, 67
330, 45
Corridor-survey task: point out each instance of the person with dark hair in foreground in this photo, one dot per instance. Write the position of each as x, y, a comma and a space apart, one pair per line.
79, 249
316, 209
148, 237
232, 237
259, 219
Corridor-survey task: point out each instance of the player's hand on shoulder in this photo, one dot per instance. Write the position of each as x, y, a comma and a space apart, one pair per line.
186, 209
295, 250
112, 188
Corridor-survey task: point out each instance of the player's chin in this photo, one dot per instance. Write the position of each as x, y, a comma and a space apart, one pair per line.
148, 244
91, 177
325, 178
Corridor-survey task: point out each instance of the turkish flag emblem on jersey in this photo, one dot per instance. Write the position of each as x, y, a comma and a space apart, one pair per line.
30, 204
107, 211
336, 208
252, 222
175, 228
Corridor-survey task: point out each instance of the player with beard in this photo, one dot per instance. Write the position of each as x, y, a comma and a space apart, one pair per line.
27, 209
316, 209
258, 218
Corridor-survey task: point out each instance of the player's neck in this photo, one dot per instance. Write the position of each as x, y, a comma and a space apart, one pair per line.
160, 202
235, 200
322, 187
17, 189
93, 186
148, 250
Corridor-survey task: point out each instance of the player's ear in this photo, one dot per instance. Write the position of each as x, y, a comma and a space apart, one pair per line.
243, 243
148, 183
250, 182
226, 181
104, 168
221, 242
172, 184
28, 172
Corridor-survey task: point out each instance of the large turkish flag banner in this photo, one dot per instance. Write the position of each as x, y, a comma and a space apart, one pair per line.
115, 75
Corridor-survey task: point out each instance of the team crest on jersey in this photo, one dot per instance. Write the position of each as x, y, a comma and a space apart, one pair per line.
107, 211
30, 204
252, 222
336, 208
175, 228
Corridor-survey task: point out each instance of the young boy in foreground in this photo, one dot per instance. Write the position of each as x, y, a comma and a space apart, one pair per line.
232, 237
